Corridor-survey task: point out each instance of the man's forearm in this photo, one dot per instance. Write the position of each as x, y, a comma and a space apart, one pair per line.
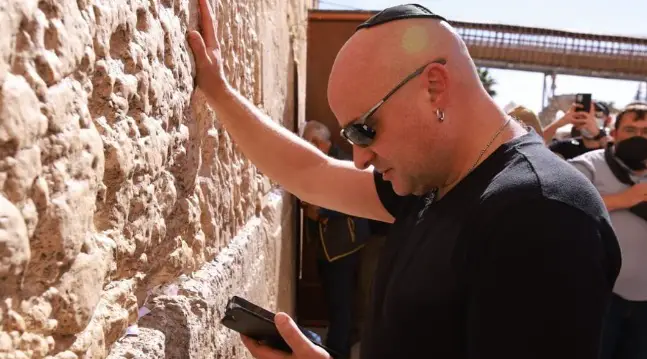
274, 150
549, 131
614, 202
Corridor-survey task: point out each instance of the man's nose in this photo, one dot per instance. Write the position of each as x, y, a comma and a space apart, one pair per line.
362, 157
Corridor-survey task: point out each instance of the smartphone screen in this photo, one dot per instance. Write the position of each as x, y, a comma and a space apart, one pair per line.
584, 100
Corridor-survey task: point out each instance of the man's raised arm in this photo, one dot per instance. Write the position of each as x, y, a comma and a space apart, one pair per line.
280, 154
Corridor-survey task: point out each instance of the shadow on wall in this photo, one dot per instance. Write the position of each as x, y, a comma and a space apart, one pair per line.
287, 281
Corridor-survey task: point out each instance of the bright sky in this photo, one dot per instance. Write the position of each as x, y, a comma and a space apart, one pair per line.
612, 17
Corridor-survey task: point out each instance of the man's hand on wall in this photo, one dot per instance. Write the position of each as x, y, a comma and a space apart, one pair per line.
302, 348
210, 76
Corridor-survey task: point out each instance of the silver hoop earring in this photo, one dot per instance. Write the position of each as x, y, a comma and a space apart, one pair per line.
440, 115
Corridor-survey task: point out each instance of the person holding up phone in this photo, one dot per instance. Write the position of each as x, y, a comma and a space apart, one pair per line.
588, 133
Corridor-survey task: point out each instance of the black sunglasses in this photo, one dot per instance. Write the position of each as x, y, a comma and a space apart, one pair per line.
358, 132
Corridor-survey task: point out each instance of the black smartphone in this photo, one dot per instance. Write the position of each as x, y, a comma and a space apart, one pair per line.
584, 102
257, 323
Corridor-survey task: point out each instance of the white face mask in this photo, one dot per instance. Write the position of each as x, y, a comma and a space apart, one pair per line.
586, 134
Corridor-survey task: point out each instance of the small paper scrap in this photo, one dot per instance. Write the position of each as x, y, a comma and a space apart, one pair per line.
171, 290
132, 330
142, 312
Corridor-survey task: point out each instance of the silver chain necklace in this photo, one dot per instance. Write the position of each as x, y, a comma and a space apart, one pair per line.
431, 196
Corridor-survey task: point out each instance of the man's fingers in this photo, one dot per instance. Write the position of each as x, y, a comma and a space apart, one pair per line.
290, 332
261, 351
199, 49
207, 24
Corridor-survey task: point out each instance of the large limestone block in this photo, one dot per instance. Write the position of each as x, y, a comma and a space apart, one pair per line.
115, 177
14, 246
189, 316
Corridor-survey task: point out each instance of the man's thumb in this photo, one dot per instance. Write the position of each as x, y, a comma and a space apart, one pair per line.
292, 335
199, 49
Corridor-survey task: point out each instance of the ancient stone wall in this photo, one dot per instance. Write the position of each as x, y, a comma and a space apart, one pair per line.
120, 194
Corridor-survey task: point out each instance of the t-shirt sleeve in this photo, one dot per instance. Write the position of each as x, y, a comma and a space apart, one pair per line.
582, 164
390, 200
541, 285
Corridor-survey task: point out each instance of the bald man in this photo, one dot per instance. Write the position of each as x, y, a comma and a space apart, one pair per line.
498, 248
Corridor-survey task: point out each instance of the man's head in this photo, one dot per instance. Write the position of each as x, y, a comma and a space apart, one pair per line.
632, 121
415, 60
318, 134
630, 134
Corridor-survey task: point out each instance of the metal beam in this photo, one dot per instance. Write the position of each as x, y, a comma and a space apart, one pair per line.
533, 49
558, 70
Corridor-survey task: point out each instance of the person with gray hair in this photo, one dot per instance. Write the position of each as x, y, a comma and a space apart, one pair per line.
499, 249
339, 239
316, 130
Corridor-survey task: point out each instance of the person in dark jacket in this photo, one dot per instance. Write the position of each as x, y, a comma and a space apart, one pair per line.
340, 238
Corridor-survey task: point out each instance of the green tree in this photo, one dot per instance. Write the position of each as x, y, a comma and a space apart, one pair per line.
487, 80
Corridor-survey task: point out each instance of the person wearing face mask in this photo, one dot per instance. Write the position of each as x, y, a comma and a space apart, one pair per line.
588, 132
619, 172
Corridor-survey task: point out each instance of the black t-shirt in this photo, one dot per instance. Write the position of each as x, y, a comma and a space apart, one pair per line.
517, 261
378, 228
569, 148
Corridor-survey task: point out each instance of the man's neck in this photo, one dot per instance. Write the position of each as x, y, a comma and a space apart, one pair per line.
511, 131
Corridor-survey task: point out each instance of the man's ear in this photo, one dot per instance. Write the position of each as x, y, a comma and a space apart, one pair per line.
324, 145
437, 81
319, 143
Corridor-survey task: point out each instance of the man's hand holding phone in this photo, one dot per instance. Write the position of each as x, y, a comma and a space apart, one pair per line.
585, 121
581, 120
302, 348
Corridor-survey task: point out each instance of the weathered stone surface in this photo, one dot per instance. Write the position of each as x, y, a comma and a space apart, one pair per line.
189, 318
14, 246
116, 177
149, 344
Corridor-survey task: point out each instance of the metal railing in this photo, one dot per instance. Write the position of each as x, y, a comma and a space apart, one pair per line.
553, 50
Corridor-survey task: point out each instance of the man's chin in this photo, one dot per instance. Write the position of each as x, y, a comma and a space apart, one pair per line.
399, 189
